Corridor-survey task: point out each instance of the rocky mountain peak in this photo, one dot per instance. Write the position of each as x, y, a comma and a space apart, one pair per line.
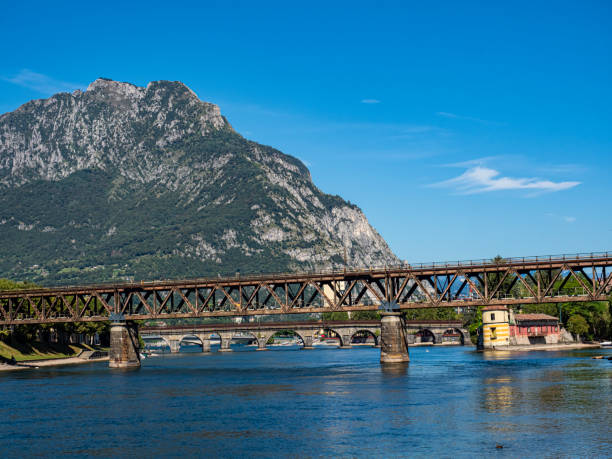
128, 181
112, 124
108, 85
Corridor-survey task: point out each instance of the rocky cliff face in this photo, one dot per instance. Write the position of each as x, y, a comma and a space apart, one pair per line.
122, 181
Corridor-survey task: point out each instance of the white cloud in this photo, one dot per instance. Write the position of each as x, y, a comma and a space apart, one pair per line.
370, 101
569, 219
482, 179
42, 83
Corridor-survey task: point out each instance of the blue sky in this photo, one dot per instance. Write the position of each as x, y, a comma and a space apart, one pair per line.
462, 129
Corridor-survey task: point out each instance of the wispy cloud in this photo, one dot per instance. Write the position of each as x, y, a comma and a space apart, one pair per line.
469, 118
370, 101
41, 83
476, 162
565, 218
480, 179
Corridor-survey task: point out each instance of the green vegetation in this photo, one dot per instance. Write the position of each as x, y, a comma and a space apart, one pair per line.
577, 325
40, 351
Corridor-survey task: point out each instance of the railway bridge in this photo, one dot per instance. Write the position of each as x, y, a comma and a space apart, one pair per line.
466, 284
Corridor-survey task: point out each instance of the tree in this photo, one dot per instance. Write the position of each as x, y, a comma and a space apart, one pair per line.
334, 316
365, 315
577, 325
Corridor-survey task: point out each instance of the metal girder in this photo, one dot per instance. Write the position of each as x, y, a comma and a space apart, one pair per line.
516, 281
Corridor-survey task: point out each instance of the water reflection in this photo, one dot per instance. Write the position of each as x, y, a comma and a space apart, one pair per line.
394, 369
500, 355
499, 394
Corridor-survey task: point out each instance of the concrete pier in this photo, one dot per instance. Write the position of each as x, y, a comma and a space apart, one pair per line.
205, 344
346, 340
262, 340
124, 345
393, 342
175, 346
226, 341
307, 338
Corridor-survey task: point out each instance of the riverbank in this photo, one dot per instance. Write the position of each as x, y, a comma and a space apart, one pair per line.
37, 354
49, 363
23, 352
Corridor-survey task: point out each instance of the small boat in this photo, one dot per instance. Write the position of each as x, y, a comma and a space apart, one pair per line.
606, 344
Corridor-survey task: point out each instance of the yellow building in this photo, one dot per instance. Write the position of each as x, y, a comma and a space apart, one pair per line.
495, 330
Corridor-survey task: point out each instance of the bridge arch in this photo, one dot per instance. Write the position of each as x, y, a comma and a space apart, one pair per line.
366, 333
425, 335
190, 337
336, 334
244, 337
294, 333
149, 340
454, 335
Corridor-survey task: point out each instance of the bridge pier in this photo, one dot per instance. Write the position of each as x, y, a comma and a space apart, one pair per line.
226, 341
205, 344
175, 345
262, 340
346, 341
308, 339
393, 342
124, 345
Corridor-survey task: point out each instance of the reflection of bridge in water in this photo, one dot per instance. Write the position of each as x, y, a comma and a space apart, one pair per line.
417, 332
551, 279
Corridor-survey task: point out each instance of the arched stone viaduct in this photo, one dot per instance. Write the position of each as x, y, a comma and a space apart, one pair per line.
436, 332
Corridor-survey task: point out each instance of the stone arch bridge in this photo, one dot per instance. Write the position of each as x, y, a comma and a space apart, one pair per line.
434, 332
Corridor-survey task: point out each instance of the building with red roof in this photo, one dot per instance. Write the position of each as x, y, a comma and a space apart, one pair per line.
534, 329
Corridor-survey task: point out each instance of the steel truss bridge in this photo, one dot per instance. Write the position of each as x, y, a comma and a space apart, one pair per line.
549, 279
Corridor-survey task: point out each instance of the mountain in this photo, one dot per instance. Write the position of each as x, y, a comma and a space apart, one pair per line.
121, 182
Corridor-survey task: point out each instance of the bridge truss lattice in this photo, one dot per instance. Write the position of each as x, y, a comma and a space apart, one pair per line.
462, 284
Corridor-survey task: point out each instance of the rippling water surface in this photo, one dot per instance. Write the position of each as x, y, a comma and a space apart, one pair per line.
333, 402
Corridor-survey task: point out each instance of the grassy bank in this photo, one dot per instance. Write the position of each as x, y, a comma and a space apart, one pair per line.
40, 351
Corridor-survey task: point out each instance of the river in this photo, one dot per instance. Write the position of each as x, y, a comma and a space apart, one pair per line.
449, 402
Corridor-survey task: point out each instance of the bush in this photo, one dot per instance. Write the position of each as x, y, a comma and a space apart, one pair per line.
577, 325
